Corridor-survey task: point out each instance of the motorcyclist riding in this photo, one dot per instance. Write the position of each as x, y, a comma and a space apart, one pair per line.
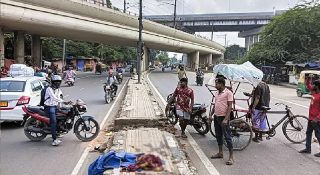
70, 74
199, 72
112, 81
181, 73
52, 100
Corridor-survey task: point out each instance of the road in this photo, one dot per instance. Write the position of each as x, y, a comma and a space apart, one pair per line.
18, 155
276, 156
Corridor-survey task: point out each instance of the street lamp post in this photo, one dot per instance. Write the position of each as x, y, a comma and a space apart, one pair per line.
175, 14
140, 43
63, 53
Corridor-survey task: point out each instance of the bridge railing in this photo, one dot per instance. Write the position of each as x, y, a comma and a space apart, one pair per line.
103, 3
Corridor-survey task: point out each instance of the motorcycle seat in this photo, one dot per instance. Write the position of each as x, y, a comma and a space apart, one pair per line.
38, 110
196, 107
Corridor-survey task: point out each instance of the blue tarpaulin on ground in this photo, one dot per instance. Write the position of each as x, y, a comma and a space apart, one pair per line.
111, 160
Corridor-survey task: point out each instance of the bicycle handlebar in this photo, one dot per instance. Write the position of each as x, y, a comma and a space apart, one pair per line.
286, 106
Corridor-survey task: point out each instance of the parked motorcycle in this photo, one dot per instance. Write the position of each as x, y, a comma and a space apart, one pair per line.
199, 80
119, 77
109, 92
37, 122
198, 118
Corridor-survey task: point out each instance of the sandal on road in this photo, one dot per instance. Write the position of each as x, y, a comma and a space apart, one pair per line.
217, 156
230, 162
317, 155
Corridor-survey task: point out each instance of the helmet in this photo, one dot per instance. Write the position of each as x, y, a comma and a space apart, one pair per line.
56, 81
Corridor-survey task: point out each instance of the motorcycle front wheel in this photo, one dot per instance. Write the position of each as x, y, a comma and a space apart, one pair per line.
107, 96
33, 136
86, 129
172, 118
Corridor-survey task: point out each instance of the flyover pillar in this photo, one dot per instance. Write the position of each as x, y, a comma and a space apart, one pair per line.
1, 47
36, 50
193, 60
19, 47
216, 59
210, 59
196, 60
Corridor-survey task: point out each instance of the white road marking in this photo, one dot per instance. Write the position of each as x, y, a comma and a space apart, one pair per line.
81, 89
204, 159
80, 162
290, 102
86, 151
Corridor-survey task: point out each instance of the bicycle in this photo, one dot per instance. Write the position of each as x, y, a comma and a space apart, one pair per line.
293, 128
292, 124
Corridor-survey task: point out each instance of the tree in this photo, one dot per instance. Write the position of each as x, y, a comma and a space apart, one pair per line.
234, 52
163, 57
109, 4
292, 36
153, 54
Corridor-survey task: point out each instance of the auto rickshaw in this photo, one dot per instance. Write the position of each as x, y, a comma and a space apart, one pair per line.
302, 88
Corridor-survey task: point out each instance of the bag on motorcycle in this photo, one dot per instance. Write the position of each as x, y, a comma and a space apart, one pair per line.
42, 95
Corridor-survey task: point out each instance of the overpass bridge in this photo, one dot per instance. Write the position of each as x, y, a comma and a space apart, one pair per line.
248, 24
80, 20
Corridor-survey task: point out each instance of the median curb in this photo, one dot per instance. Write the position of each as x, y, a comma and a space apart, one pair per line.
196, 155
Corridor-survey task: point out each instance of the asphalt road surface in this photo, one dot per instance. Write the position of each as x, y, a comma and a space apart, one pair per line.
277, 156
18, 155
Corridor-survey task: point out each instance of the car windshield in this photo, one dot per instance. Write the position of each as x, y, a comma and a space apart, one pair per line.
12, 86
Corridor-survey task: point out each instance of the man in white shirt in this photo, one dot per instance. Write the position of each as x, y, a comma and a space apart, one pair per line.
52, 100
112, 81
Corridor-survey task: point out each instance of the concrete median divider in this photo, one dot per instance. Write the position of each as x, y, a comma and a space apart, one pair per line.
140, 127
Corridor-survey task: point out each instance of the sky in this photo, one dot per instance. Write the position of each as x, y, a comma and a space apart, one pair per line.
163, 7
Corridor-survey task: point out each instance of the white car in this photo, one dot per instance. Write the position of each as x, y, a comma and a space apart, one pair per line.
16, 92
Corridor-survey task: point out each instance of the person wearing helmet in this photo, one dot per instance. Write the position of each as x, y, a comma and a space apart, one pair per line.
51, 102
112, 81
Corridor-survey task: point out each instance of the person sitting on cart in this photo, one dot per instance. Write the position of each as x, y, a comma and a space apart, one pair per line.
184, 101
222, 113
260, 100
314, 115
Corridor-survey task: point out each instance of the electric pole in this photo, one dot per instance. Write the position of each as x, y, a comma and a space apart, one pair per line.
175, 14
124, 6
63, 53
140, 44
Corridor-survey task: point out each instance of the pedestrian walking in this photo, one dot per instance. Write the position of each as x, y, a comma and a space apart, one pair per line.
222, 111
314, 115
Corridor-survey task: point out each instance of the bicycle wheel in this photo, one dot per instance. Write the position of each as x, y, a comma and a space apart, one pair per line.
294, 129
241, 133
